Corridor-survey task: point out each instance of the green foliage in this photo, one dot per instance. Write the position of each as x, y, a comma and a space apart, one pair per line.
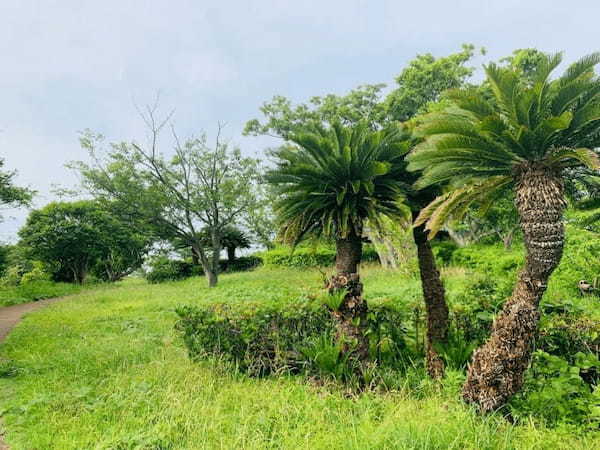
104, 369
78, 238
162, 269
492, 259
175, 196
307, 256
361, 104
36, 290
418, 86
4, 258
333, 300
259, 338
336, 178
11, 195
323, 354
580, 261
423, 81
477, 144
555, 391
443, 251
457, 351
241, 263
268, 338
38, 272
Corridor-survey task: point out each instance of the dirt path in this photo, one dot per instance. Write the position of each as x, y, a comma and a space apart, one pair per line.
9, 317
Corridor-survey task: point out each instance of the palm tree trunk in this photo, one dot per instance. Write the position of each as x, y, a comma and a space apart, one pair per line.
496, 372
351, 316
435, 302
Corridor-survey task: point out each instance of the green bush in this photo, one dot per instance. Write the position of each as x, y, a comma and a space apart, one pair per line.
308, 257
164, 269
266, 338
241, 264
37, 273
489, 258
443, 251
557, 391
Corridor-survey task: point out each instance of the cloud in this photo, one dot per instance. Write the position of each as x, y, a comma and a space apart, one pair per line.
69, 65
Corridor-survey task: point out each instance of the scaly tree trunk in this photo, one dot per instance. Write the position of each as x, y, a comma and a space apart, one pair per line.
435, 302
351, 316
496, 372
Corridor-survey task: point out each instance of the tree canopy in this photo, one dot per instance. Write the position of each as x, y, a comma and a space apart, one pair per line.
78, 238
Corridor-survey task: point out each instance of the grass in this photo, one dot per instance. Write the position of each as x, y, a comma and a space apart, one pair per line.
35, 290
104, 369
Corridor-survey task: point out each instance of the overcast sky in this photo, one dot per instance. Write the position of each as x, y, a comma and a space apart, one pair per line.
67, 65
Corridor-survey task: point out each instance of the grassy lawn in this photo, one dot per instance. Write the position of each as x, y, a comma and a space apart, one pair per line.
36, 290
104, 369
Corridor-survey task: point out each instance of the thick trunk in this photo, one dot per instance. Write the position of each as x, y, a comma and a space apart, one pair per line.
230, 254
435, 302
348, 254
352, 314
496, 372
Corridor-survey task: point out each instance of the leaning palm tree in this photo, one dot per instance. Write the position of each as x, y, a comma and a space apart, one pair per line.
530, 134
330, 183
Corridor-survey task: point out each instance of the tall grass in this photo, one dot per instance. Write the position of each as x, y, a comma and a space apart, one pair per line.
105, 370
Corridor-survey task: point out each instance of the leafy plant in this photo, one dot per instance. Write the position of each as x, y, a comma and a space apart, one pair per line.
334, 300
555, 391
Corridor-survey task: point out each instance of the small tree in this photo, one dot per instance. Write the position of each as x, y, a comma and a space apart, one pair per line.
197, 187
331, 182
418, 87
234, 238
74, 239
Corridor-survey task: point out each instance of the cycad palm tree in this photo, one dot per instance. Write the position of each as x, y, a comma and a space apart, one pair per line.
531, 134
331, 182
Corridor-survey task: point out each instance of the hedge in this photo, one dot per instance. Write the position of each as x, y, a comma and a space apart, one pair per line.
308, 257
262, 338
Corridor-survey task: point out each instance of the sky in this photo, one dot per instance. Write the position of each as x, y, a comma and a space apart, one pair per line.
70, 65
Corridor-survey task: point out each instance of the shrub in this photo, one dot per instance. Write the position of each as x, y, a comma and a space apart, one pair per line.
37, 273
443, 251
308, 257
241, 263
164, 269
266, 338
490, 259
12, 277
555, 391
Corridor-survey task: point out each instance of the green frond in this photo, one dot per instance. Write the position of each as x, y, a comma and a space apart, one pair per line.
580, 67
567, 157
453, 205
546, 67
529, 117
470, 100
336, 178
